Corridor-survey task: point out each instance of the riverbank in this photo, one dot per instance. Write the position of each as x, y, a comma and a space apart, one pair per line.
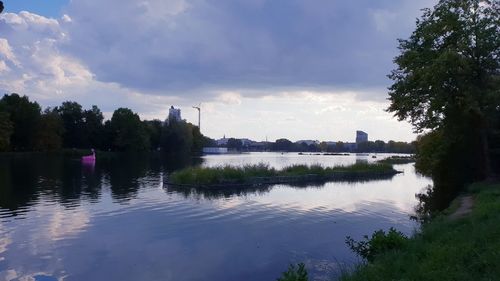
450, 247
260, 174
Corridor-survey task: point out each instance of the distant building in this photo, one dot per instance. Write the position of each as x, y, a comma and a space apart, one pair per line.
174, 114
361, 137
222, 142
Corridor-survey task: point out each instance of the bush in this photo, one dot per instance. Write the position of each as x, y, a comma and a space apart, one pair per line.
379, 243
295, 274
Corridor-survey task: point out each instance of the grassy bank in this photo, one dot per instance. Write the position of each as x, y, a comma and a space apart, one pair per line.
466, 248
252, 173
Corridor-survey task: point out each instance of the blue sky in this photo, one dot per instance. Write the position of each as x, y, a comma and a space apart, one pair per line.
48, 8
297, 69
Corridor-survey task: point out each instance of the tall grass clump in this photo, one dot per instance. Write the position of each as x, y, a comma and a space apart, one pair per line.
295, 273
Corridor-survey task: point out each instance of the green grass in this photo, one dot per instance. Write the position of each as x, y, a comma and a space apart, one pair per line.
244, 174
445, 249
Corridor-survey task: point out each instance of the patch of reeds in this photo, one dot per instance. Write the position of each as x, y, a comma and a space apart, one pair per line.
245, 174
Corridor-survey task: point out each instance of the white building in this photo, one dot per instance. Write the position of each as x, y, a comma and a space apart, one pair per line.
174, 114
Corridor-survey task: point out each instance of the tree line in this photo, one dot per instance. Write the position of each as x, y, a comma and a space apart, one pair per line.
25, 127
377, 146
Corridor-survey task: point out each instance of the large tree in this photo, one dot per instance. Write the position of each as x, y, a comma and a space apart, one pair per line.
6, 130
72, 117
128, 132
50, 131
25, 116
94, 127
447, 75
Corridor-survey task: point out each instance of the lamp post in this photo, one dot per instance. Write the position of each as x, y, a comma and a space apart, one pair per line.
199, 116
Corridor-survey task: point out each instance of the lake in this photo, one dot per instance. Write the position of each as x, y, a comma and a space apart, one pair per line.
60, 220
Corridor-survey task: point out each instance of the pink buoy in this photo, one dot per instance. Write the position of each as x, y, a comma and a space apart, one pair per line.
89, 158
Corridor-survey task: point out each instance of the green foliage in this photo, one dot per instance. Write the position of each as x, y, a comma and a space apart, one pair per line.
447, 82
182, 137
128, 132
229, 174
429, 151
282, 145
6, 130
177, 136
234, 144
25, 117
94, 127
379, 243
294, 273
50, 132
72, 116
445, 249
448, 67
154, 128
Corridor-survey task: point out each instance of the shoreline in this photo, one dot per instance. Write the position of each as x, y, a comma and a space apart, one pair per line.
462, 243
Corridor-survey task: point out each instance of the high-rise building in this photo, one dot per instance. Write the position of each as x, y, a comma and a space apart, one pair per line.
174, 114
361, 137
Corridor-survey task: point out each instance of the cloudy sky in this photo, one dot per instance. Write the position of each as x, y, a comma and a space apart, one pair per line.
298, 69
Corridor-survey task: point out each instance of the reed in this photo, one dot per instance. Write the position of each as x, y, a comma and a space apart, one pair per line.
249, 173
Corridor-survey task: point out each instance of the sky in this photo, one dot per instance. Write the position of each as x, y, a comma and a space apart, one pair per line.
295, 69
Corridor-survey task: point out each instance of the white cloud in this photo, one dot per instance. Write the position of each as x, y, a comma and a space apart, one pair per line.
230, 98
6, 51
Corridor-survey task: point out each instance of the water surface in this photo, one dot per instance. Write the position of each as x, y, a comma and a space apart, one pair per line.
117, 220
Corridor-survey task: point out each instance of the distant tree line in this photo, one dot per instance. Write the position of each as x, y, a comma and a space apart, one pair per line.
363, 147
25, 127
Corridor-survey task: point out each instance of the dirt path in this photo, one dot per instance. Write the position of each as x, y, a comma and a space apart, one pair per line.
466, 204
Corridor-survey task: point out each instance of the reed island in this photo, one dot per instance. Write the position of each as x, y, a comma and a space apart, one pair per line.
262, 174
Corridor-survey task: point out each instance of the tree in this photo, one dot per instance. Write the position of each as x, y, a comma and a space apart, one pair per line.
340, 147
323, 146
282, 145
447, 75
1, 7
72, 116
177, 137
154, 128
6, 130
94, 127
234, 144
24, 116
128, 132
380, 146
50, 131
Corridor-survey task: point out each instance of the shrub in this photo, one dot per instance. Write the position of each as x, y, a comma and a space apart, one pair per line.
379, 243
293, 273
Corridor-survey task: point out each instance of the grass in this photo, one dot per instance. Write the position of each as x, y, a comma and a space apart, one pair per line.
445, 249
245, 174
